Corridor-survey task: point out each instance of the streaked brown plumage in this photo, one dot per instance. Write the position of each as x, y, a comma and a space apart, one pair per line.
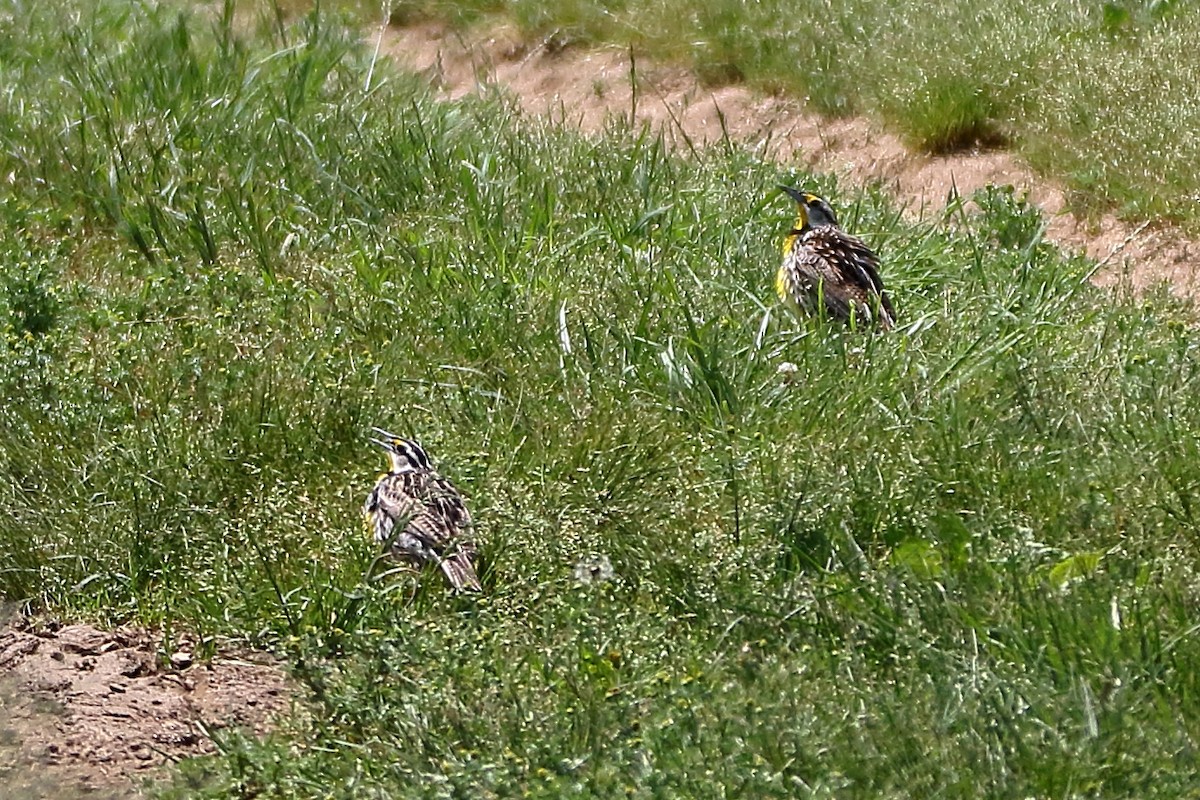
826, 271
436, 526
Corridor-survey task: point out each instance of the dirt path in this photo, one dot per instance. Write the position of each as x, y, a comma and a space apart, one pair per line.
586, 87
91, 713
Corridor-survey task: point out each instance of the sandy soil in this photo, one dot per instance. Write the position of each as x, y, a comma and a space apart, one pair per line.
587, 87
91, 713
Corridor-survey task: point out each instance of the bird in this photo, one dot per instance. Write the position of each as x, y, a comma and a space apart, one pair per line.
418, 515
826, 271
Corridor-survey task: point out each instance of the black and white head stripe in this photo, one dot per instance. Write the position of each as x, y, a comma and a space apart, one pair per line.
411, 452
406, 454
814, 210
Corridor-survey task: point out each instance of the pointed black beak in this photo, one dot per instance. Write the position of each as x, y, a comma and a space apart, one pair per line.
795, 194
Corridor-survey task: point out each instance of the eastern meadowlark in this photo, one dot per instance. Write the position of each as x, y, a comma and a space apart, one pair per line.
434, 524
827, 271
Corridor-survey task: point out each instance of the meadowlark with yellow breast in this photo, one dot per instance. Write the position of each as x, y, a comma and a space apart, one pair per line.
829, 273
419, 516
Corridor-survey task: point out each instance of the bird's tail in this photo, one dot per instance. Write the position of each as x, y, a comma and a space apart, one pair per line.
460, 572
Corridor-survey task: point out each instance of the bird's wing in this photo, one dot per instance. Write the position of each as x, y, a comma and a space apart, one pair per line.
818, 269
444, 496
849, 271
392, 500
435, 513
436, 523
862, 264
866, 269
444, 525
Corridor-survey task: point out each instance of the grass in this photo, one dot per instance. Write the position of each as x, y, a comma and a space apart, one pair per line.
955, 560
1098, 95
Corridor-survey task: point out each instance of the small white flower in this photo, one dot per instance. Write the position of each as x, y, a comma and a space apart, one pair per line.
787, 372
593, 569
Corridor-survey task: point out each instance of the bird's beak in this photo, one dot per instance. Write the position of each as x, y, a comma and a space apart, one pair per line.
797, 195
386, 441
383, 433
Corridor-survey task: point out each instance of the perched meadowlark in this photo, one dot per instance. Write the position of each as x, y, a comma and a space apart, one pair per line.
827, 271
434, 524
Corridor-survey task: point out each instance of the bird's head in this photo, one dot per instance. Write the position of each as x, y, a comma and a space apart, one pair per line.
812, 211
404, 455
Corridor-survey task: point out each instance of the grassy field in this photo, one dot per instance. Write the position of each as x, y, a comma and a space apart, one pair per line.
957, 560
1103, 96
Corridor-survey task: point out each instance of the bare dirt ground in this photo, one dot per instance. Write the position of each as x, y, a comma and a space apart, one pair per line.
86, 713
588, 87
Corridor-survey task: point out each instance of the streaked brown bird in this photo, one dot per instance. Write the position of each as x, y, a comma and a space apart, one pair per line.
419, 515
828, 272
